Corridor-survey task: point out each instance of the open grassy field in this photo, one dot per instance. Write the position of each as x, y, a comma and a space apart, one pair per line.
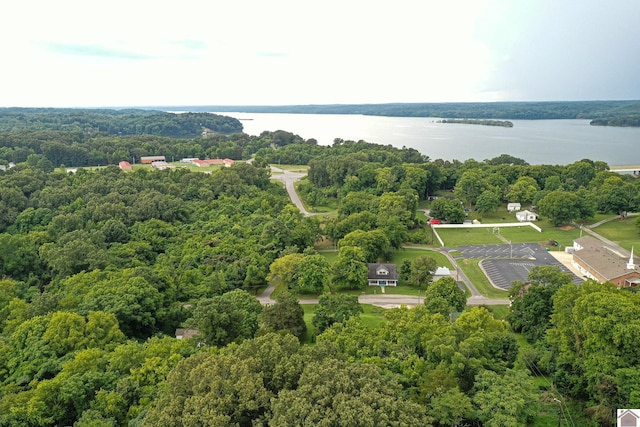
623, 231
453, 237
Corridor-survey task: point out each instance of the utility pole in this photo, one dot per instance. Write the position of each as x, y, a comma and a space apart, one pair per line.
559, 408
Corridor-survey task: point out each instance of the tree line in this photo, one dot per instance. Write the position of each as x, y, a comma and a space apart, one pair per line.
457, 110
620, 121
116, 122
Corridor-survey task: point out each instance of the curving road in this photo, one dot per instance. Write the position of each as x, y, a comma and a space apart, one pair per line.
289, 178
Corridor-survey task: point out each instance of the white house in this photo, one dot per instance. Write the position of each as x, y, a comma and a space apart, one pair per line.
513, 207
382, 274
526, 215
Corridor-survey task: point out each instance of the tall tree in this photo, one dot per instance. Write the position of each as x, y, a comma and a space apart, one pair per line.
488, 201
422, 269
285, 315
350, 270
561, 207
335, 308
444, 296
507, 400
312, 274
231, 317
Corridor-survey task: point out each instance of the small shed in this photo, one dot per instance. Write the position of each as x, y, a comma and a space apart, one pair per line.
440, 273
526, 215
513, 207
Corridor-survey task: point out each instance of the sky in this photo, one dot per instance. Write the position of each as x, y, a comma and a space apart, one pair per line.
119, 53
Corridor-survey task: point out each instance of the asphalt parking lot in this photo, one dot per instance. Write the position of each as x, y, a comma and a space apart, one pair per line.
506, 263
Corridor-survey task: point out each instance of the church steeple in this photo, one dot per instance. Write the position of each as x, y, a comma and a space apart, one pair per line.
630, 264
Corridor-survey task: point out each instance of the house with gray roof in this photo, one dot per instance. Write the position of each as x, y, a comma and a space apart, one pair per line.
605, 262
382, 274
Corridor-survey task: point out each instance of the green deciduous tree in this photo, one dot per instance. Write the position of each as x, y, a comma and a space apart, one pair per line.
231, 317
285, 315
470, 185
508, 400
312, 274
232, 387
595, 336
350, 270
133, 300
334, 393
375, 244
561, 207
422, 269
335, 308
444, 296
487, 202
282, 271
449, 210
523, 190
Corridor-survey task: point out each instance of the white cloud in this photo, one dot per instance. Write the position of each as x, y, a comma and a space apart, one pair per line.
122, 52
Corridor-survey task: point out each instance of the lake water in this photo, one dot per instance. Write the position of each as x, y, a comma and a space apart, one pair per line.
536, 141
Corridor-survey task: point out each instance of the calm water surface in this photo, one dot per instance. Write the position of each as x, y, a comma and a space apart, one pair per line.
536, 141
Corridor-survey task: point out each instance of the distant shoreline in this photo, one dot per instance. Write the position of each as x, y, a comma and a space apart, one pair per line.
547, 110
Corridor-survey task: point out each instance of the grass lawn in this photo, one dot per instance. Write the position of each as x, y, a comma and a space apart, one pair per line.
372, 317
623, 231
309, 312
479, 280
563, 235
500, 312
453, 237
411, 253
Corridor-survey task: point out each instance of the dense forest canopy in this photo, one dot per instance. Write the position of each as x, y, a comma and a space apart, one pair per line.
621, 121
462, 110
99, 267
116, 122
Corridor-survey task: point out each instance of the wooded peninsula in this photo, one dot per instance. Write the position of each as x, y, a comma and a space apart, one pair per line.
130, 294
502, 123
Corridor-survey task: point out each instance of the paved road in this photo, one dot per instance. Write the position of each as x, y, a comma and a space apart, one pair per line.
386, 300
289, 178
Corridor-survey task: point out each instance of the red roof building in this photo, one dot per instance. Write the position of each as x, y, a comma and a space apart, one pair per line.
125, 166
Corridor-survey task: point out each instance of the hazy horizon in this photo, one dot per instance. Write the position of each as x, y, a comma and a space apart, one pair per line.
130, 54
